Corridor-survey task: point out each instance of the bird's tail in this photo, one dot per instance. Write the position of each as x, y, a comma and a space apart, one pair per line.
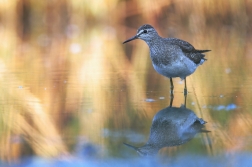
203, 51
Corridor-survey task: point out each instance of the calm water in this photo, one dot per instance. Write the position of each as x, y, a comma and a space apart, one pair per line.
87, 100
111, 109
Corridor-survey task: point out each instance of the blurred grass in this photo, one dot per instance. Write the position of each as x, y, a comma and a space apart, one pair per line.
67, 57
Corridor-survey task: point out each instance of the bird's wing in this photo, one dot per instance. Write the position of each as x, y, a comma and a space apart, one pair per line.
185, 46
196, 57
189, 51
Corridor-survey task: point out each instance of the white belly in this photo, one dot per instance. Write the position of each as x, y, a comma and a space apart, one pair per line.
180, 68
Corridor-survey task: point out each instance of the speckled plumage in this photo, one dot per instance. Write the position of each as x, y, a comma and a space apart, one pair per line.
170, 57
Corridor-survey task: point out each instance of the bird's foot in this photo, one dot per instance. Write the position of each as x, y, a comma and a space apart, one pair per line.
185, 91
172, 95
171, 92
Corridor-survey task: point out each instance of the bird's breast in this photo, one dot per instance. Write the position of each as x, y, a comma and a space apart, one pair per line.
174, 67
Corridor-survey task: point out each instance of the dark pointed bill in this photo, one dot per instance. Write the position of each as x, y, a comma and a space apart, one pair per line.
135, 148
128, 40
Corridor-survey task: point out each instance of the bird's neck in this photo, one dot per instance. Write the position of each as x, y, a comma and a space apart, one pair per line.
153, 41
154, 46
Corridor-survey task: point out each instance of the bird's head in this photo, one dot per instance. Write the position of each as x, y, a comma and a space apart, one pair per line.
145, 32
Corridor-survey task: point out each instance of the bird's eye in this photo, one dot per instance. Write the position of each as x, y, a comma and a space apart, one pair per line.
145, 31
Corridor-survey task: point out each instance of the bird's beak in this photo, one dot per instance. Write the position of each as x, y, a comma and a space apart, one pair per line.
135, 148
131, 39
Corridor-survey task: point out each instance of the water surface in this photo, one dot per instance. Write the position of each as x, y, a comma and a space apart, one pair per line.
72, 94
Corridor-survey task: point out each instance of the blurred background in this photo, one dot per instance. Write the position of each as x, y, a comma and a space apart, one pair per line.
71, 90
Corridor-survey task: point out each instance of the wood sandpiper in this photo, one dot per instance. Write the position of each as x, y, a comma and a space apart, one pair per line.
170, 57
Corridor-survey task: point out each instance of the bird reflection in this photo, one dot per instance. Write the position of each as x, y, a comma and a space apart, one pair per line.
171, 126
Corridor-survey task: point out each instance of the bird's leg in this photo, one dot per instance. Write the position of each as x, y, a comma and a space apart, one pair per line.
171, 100
171, 86
171, 91
185, 89
185, 99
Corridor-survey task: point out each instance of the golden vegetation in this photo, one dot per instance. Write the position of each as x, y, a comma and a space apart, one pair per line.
64, 59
